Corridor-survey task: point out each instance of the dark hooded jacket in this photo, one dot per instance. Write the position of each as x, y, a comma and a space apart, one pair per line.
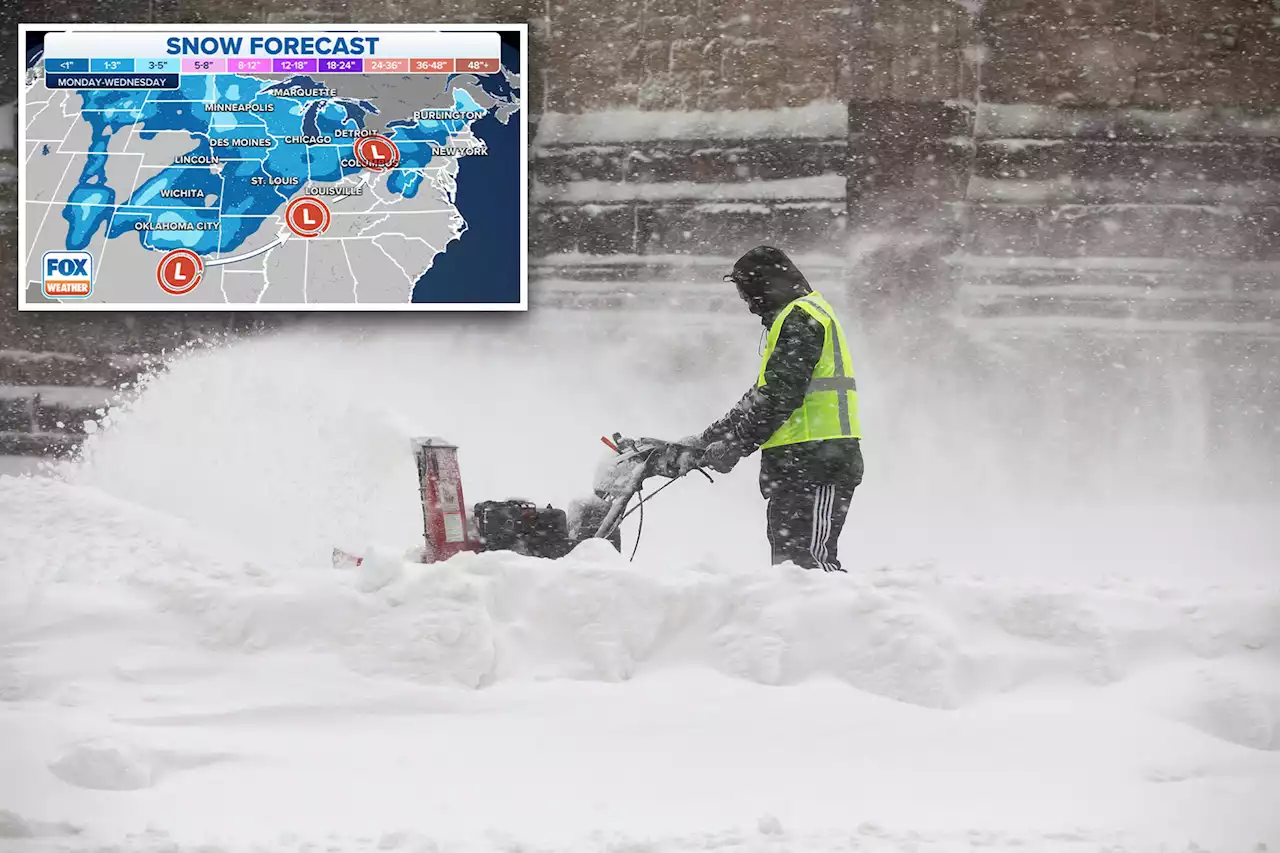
768, 281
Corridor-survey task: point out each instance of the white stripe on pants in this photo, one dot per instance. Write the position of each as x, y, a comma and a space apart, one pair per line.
824, 500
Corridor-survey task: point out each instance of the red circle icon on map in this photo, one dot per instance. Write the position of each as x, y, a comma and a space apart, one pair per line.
179, 271
307, 216
377, 153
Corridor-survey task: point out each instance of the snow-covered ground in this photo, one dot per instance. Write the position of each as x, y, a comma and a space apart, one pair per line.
182, 669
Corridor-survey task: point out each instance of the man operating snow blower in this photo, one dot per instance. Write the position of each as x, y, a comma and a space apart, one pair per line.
802, 413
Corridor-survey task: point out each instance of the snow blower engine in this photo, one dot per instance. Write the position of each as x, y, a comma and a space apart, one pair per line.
523, 526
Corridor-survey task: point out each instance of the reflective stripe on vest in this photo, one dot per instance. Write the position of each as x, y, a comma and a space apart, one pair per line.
830, 407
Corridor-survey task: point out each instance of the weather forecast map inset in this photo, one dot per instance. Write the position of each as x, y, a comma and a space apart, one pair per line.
296, 168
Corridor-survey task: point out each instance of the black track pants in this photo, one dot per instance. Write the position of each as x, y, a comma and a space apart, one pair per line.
805, 520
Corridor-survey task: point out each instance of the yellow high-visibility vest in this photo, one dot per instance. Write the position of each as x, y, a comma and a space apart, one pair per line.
830, 408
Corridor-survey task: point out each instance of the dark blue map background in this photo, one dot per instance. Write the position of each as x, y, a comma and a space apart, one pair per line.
483, 265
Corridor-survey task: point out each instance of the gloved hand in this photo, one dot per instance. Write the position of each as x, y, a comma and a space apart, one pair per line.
686, 461
693, 441
674, 462
721, 456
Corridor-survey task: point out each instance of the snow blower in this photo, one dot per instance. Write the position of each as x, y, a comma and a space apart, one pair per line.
524, 527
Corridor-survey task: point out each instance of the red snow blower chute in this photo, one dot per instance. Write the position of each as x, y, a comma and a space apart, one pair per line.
524, 527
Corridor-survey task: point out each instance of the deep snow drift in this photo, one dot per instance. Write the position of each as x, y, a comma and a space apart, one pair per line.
180, 666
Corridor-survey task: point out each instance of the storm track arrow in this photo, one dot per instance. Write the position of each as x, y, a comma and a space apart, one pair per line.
364, 179
258, 251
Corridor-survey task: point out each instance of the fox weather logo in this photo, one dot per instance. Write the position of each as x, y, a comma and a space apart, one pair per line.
68, 275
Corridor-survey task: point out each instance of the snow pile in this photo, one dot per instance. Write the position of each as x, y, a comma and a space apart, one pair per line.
829, 186
911, 634
400, 706
821, 120
914, 635
1020, 121
107, 766
14, 826
768, 836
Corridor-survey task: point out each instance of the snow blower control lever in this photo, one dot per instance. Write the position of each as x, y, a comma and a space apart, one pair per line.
622, 477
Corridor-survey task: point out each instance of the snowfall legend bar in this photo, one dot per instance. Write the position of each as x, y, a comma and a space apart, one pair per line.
111, 66
341, 66
204, 66
144, 60
386, 66
249, 65
263, 65
169, 65
294, 66
431, 66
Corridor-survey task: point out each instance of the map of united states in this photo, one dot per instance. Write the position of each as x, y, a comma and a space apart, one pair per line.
213, 166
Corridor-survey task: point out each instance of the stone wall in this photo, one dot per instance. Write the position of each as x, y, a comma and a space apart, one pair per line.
1104, 160
1163, 54
696, 54
645, 189
1126, 166
938, 185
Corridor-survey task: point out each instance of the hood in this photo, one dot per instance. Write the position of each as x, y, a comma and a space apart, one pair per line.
768, 281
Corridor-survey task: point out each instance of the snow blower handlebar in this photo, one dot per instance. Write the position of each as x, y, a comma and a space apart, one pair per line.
622, 476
